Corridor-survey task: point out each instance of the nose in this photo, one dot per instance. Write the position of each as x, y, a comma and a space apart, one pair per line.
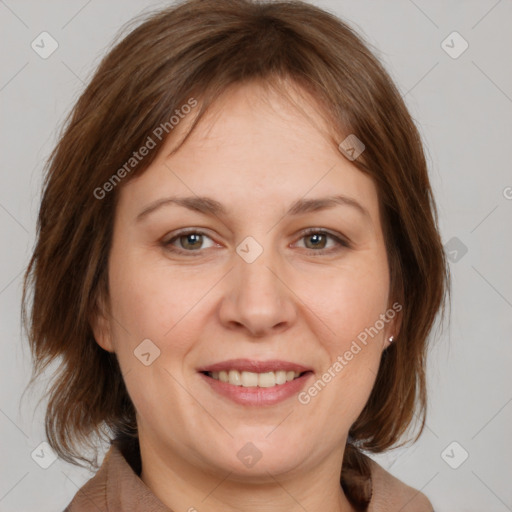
257, 299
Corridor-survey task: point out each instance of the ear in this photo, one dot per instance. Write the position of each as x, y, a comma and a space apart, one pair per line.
394, 323
100, 325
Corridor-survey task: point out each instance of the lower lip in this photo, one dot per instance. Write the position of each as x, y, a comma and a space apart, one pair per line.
257, 395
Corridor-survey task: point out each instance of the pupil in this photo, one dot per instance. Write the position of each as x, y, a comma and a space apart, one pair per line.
317, 237
191, 237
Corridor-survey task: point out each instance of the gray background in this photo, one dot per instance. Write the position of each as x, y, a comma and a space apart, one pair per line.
463, 107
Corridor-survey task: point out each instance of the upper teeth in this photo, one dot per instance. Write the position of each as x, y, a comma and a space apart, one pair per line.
251, 379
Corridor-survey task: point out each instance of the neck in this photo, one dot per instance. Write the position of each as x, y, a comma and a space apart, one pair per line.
183, 486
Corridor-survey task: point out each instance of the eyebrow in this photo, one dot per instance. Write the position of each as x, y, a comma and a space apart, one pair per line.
209, 206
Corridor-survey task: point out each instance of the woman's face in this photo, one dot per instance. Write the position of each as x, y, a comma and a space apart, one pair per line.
248, 283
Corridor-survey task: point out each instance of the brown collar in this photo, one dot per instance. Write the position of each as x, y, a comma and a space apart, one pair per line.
117, 487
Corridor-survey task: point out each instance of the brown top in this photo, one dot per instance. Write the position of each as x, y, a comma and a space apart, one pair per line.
117, 487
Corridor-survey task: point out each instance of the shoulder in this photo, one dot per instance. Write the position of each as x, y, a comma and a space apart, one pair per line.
391, 494
117, 486
92, 496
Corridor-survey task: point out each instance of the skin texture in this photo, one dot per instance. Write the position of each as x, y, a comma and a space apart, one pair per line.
256, 154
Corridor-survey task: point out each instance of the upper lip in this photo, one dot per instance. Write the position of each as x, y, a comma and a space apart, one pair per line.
250, 365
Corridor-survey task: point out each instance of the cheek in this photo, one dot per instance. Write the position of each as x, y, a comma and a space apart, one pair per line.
350, 300
150, 304
350, 303
151, 301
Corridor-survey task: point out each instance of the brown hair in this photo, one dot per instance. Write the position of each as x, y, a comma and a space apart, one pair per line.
199, 48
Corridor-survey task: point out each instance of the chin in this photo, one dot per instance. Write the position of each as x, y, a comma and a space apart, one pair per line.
253, 460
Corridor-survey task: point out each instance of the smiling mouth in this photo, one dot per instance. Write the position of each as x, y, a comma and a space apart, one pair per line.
252, 379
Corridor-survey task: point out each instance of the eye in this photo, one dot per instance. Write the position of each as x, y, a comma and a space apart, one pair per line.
189, 241
316, 240
192, 240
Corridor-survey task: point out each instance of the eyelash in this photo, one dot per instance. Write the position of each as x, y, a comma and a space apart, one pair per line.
344, 244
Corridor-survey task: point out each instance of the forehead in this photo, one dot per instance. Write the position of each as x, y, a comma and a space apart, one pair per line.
254, 147
259, 118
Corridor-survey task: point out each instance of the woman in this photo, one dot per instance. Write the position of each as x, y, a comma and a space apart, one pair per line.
238, 264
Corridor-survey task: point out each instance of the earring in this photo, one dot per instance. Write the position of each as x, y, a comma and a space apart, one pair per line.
391, 339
